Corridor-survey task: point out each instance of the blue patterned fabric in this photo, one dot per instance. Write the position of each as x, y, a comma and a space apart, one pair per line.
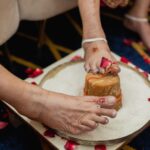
21, 138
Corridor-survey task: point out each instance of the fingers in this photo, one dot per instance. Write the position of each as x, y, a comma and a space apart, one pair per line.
107, 112
87, 127
104, 102
101, 65
114, 69
87, 67
90, 123
91, 66
100, 119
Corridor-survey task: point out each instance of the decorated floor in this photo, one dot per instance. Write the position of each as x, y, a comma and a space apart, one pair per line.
39, 44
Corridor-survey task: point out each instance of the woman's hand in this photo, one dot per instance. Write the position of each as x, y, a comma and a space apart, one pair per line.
98, 58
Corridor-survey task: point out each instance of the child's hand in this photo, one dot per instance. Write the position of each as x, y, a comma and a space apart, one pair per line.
98, 58
116, 3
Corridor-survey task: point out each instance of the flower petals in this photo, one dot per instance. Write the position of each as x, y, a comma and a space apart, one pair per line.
70, 145
49, 133
105, 63
124, 60
34, 83
76, 58
100, 147
3, 125
36, 73
127, 42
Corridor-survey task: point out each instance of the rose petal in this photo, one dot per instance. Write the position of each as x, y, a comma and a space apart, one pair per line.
36, 73
34, 83
102, 3
49, 133
3, 125
5, 115
145, 74
100, 147
70, 145
147, 60
105, 63
149, 99
124, 60
76, 58
127, 42
29, 71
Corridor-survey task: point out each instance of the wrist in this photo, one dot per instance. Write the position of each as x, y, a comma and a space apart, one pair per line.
93, 33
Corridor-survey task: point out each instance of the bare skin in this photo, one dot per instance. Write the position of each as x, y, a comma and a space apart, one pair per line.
59, 111
92, 28
140, 10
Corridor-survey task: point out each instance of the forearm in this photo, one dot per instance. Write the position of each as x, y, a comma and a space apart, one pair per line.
90, 14
21, 95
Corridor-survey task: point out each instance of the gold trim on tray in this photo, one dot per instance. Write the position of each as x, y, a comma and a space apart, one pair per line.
57, 69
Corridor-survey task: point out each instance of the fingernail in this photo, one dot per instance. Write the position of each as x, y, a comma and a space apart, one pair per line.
114, 114
111, 100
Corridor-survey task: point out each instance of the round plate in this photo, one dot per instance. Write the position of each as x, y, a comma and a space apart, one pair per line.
69, 78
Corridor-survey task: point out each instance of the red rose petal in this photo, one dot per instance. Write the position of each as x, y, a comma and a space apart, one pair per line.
3, 125
124, 60
76, 58
49, 133
5, 115
100, 147
147, 60
29, 71
105, 63
127, 42
145, 74
70, 145
36, 73
102, 3
149, 99
34, 83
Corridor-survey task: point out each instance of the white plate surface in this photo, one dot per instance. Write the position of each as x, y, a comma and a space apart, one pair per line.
134, 114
